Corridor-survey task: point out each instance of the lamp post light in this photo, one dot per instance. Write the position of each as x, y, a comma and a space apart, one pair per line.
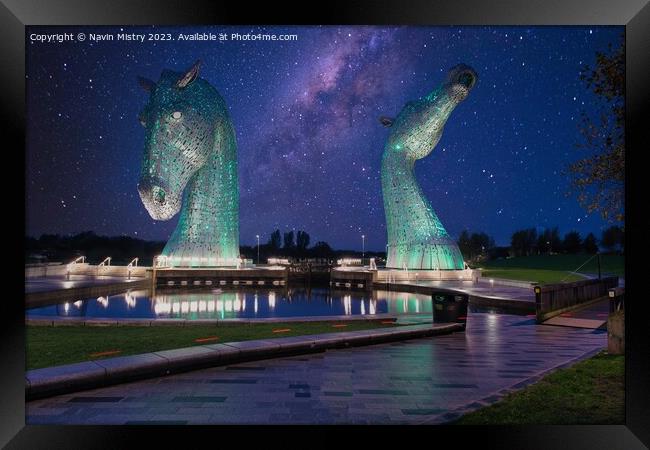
363, 247
258, 248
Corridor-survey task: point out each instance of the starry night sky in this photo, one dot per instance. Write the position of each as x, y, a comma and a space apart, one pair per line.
306, 117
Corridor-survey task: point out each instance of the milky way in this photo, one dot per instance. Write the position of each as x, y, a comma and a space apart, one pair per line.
306, 117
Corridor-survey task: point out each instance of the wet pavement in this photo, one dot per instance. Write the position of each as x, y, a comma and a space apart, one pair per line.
482, 289
427, 380
55, 283
593, 316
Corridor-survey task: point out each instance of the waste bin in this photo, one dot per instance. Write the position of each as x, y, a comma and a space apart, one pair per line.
450, 308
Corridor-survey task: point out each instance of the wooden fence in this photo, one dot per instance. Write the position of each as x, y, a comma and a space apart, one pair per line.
554, 299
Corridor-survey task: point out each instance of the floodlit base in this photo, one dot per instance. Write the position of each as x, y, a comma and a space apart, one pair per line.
444, 255
367, 276
221, 276
393, 275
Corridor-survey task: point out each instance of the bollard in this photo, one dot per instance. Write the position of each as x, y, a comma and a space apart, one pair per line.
616, 322
538, 304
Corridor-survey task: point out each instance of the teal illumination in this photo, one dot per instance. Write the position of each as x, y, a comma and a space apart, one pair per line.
190, 165
416, 237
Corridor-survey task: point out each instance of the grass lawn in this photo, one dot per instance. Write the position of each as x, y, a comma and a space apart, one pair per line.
551, 268
53, 346
590, 392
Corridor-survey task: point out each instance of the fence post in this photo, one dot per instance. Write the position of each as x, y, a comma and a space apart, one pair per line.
538, 304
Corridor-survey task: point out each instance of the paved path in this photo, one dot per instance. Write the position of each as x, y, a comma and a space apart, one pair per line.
426, 380
54, 283
593, 316
482, 289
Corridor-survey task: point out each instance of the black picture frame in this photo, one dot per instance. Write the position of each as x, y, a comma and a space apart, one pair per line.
633, 14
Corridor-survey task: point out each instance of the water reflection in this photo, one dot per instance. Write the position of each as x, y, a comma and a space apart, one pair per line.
241, 303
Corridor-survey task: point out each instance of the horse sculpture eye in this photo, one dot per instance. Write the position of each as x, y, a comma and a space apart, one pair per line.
177, 115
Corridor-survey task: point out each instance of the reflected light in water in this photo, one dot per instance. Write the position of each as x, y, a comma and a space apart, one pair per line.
347, 304
130, 300
103, 301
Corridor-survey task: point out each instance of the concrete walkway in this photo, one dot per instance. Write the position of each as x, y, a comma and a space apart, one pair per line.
53, 290
101, 372
483, 289
593, 316
429, 380
482, 294
55, 283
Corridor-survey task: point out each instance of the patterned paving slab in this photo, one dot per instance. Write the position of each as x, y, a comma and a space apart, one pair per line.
428, 380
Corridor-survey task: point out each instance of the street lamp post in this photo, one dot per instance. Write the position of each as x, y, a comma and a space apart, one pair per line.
258, 248
363, 247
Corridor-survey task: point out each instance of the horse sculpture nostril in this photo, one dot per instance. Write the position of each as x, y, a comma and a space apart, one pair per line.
466, 79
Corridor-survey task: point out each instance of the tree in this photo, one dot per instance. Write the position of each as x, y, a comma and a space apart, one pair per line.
302, 240
288, 240
598, 179
322, 249
549, 241
523, 242
474, 245
276, 241
590, 245
480, 243
464, 245
612, 237
572, 242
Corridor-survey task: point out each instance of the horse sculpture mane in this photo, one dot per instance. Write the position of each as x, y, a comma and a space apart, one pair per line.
190, 165
416, 237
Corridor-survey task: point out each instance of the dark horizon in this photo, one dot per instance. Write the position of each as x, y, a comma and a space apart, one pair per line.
309, 141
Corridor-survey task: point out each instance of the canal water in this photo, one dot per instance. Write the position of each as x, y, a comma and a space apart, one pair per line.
243, 303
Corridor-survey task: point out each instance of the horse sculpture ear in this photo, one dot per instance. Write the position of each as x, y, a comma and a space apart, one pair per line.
386, 121
146, 84
189, 76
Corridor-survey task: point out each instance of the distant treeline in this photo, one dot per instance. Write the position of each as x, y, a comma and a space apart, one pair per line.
474, 247
122, 249
478, 246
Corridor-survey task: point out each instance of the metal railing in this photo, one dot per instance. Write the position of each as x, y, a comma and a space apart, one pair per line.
129, 266
80, 259
105, 262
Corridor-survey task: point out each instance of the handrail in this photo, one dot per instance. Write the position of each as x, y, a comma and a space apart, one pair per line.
579, 267
72, 264
103, 263
131, 264
76, 261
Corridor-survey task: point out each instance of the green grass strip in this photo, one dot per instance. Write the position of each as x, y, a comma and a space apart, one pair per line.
589, 392
53, 346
